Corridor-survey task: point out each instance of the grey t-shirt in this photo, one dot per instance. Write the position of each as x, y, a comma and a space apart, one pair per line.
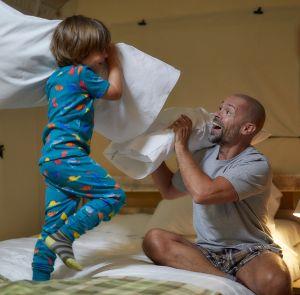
236, 224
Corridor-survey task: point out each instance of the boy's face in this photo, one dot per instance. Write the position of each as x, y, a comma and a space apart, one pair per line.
95, 59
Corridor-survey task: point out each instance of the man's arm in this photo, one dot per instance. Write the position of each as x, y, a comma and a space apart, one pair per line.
202, 188
162, 178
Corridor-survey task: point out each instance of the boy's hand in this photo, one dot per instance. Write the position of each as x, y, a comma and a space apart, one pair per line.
115, 89
112, 59
111, 49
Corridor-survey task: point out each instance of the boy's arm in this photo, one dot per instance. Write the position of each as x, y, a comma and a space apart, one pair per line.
115, 89
162, 178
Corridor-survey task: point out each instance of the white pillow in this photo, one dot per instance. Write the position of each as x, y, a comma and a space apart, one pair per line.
286, 234
148, 82
291, 256
142, 155
175, 216
23, 77
273, 202
289, 230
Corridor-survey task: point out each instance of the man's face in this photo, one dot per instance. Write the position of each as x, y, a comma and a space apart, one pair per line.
228, 121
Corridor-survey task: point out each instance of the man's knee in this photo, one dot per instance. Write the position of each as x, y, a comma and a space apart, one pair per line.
154, 244
266, 274
274, 281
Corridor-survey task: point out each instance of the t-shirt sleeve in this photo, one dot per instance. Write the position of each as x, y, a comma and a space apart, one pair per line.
95, 85
249, 178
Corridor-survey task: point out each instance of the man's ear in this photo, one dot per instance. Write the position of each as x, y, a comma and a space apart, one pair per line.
248, 129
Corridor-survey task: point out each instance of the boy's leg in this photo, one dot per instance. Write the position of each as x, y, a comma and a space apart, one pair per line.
85, 178
58, 206
91, 214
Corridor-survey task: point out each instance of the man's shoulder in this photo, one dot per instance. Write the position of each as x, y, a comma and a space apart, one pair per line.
252, 161
252, 154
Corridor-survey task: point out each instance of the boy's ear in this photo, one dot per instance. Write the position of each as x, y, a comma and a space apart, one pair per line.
248, 129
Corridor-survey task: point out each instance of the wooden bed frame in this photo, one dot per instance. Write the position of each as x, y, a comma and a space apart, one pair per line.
289, 185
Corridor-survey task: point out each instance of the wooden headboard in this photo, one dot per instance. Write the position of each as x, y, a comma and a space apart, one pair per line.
143, 196
289, 185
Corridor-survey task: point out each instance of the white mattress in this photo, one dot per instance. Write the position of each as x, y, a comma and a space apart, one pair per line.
113, 249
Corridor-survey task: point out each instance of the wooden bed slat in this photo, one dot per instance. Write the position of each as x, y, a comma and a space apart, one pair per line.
287, 183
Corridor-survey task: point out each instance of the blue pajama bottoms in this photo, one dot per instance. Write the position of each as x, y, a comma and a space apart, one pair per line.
69, 180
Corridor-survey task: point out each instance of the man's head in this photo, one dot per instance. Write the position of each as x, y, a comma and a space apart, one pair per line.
238, 119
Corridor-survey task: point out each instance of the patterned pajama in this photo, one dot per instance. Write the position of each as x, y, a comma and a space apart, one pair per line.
68, 181
69, 172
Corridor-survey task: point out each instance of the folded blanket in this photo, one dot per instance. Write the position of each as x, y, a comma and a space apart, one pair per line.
102, 285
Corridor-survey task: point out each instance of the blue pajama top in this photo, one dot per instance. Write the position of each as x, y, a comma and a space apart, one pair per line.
71, 91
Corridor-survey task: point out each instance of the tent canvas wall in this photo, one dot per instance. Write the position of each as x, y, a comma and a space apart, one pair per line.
221, 48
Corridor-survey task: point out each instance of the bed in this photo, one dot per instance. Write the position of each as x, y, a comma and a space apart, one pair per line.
114, 262
112, 250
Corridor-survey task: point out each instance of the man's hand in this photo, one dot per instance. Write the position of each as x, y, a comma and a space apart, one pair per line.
182, 128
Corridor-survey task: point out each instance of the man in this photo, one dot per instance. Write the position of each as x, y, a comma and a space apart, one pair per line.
229, 184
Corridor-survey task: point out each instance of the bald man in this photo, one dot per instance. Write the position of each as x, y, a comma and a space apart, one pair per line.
229, 184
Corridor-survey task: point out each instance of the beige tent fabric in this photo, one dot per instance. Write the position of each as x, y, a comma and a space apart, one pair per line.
219, 53
283, 154
225, 53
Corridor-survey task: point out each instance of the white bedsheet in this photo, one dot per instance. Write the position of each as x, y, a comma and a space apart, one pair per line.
113, 249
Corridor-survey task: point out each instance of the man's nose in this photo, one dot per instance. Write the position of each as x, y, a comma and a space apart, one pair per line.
217, 114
